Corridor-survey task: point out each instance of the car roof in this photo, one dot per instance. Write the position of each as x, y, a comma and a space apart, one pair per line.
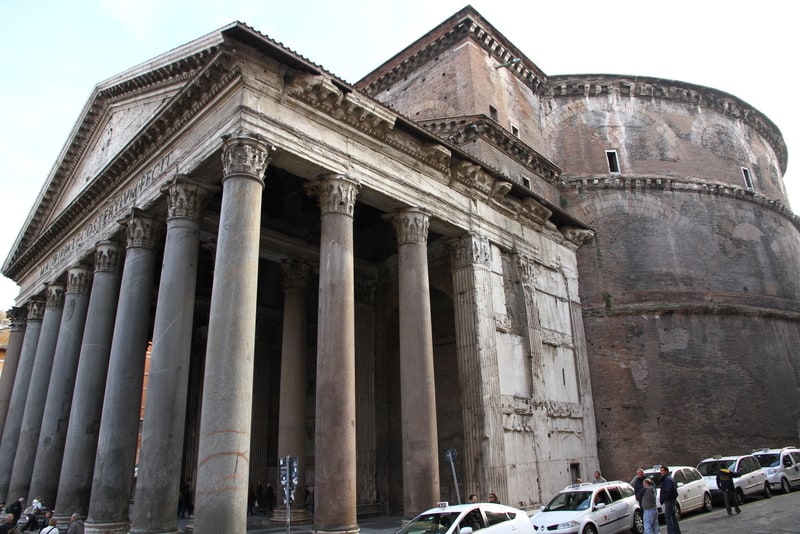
773, 451
587, 486
452, 508
670, 468
718, 458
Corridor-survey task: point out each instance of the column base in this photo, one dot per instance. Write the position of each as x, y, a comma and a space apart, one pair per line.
299, 515
344, 530
106, 528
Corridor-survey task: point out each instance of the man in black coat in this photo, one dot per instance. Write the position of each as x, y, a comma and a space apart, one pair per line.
728, 488
669, 500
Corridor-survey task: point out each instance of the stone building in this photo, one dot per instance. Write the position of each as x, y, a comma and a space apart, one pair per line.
365, 276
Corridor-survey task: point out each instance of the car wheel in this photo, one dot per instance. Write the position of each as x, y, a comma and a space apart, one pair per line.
785, 486
767, 491
590, 530
707, 505
739, 497
638, 522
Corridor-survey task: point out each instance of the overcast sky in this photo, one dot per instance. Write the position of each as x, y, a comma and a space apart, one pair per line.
56, 51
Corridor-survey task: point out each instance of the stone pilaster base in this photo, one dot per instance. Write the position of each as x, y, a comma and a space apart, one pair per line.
107, 528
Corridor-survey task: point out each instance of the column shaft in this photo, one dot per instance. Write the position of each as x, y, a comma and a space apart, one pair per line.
224, 450
80, 448
335, 436
37, 394
478, 373
50, 451
292, 410
19, 394
158, 480
119, 427
11, 362
417, 386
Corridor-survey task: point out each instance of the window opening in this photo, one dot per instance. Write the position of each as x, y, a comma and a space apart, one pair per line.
514, 131
493, 113
526, 182
748, 180
613, 162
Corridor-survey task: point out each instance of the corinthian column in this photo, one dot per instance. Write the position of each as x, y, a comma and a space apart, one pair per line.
19, 394
417, 385
11, 362
50, 451
335, 437
119, 429
80, 448
158, 480
478, 371
223, 469
37, 394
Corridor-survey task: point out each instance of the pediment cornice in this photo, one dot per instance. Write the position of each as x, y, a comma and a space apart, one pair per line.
203, 75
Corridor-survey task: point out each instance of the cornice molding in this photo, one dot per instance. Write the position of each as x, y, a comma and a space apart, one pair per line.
217, 71
646, 184
463, 130
587, 86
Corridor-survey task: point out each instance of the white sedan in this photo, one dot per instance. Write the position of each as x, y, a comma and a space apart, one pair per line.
468, 518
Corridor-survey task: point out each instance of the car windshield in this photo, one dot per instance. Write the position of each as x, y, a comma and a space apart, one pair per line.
712, 467
431, 523
769, 460
569, 501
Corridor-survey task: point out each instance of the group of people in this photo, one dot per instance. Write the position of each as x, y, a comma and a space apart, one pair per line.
15, 511
492, 498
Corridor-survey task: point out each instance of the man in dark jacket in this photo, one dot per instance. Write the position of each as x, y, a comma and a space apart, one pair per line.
638, 485
669, 500
16, 509
728, 488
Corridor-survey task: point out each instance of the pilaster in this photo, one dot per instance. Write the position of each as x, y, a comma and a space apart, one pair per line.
11, 362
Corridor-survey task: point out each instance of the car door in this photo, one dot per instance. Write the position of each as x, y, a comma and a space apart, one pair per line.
619, 512
750, 480
792, 470
684, 489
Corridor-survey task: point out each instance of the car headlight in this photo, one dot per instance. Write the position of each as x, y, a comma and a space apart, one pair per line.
772, 471
568, 524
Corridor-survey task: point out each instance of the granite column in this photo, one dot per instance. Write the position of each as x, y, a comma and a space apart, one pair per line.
53, 433
37, 394
158, 481
417, 385
119, 424
19, 395
335, 435
80, 448
292, 411
11, 361
223, 469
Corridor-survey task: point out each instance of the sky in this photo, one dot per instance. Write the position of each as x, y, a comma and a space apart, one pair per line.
55, 52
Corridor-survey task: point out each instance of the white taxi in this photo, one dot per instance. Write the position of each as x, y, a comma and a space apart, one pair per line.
488, 518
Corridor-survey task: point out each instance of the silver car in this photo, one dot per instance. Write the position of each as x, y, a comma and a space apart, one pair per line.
693, 492
468, 518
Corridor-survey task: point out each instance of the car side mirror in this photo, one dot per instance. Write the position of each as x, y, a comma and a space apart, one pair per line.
680, 484
599, 506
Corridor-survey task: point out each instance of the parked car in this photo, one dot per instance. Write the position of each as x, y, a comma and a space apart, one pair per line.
467, 518
782, 465
693, 493
604, 508
752, 479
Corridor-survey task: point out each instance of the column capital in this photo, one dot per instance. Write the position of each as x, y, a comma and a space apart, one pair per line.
55, 296
108, 256
79, 279
143, 231
246, 153
335, 193
36, 309
186, 197
17, 315
295, 273
410, 225
524, 266
469, 250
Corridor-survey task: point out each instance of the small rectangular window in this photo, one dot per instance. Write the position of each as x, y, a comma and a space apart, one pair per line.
613, 162
493, 113
526, 182
514, 131
748, 181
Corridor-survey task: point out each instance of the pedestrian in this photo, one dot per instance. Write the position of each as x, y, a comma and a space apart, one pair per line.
50, 528
638, 485
75, 524
473, 498
598, 478
493, 498
33, 512
726, 485
669, 500
16, 509
9, 524
648, 504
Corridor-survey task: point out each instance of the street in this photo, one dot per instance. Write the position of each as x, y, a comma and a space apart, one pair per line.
777, 515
